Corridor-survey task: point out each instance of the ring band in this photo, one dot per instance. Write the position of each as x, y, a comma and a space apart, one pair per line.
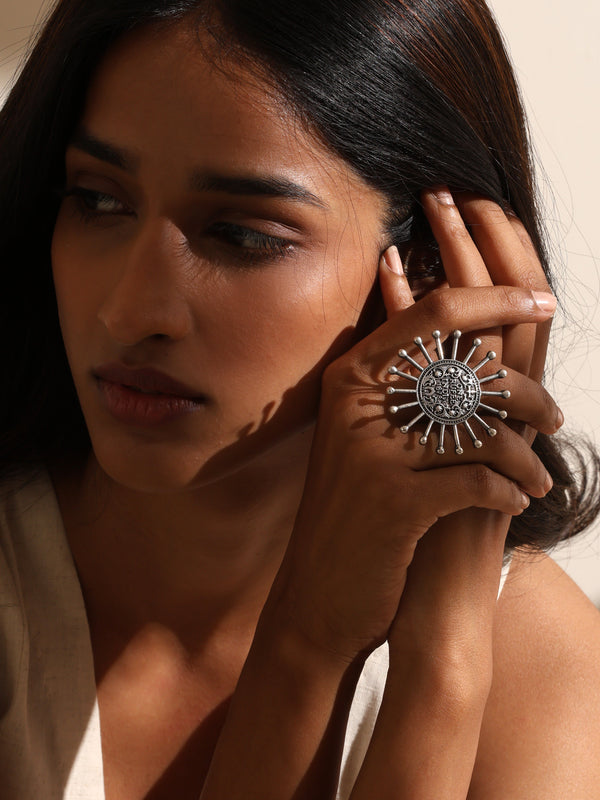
448, 391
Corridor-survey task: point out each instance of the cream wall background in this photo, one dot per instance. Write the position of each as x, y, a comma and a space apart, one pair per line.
554, 48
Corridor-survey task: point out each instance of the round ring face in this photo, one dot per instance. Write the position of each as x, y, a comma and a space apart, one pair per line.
448, 392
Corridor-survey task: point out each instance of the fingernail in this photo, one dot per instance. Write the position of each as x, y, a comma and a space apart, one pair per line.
545, 301
525, 500
443, 196
393, 261
549, 483
560, 418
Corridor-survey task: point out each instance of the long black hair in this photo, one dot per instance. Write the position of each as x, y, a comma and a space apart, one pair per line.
411, 93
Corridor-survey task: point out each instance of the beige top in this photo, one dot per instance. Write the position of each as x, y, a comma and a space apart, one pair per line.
50, 745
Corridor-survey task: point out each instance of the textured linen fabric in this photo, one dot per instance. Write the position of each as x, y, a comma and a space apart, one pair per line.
49, 728
50, 745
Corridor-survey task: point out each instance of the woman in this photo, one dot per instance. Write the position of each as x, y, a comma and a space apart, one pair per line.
215, 535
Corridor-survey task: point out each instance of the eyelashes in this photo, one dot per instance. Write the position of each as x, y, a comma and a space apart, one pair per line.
93, 205
249, 242
234, 241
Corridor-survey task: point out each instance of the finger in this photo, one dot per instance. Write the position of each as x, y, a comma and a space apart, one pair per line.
474, 485
542, 332
395, 288
528, 401
463, 263
511, 260
503, 243
450, 309
507, 454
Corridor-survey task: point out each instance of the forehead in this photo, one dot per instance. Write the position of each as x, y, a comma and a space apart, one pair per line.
168, 95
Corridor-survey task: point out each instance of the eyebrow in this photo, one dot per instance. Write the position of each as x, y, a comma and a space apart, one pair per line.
119, 157
275, 186
268, 186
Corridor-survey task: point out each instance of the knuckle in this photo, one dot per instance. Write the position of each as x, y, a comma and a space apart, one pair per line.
457, 232
513, 298
481, 478
442, 304
503, 437
527, 277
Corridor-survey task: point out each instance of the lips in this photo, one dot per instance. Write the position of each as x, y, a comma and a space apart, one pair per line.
146, 380
144, 396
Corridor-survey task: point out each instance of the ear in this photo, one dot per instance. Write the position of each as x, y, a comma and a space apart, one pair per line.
395, 289
423, 267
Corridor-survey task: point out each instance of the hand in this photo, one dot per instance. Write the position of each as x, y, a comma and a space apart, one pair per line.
496, 250
371, 493
441, 638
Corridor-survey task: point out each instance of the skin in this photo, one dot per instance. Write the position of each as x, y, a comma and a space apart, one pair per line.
228, 548
207, 299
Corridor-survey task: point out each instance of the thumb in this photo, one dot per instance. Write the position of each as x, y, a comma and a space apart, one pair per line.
395, 289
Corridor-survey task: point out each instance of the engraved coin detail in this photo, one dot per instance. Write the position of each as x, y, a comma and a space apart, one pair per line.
448, 392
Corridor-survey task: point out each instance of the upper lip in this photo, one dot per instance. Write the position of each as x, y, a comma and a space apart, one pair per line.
146, 379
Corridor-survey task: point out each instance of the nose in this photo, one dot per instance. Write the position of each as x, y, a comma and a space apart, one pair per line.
149, 298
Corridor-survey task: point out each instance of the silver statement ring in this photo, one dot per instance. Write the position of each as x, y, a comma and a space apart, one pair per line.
448, 391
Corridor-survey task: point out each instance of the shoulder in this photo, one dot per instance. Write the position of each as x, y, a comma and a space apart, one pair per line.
541, 731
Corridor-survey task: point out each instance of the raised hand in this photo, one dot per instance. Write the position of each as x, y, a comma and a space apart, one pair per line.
441, 640
371, 492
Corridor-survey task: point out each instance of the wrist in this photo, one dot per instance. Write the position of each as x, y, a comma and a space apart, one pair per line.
452, 682
283, 639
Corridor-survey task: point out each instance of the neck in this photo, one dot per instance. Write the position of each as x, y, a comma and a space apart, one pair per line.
198, 563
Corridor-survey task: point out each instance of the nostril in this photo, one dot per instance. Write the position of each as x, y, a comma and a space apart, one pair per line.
135, 313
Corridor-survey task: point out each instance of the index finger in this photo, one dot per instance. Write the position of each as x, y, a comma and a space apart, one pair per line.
511, 260
468, 309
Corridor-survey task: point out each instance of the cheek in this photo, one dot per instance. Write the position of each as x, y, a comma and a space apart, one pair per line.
286, 324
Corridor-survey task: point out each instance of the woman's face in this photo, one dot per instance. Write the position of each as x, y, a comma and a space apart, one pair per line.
210, 259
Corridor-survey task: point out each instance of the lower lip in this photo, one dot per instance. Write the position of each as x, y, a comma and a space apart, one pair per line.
139, 408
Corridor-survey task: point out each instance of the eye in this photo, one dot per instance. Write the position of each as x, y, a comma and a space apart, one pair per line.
250, 244
92, 204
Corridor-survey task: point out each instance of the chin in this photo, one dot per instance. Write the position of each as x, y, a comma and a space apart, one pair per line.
173, 465
157, 469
